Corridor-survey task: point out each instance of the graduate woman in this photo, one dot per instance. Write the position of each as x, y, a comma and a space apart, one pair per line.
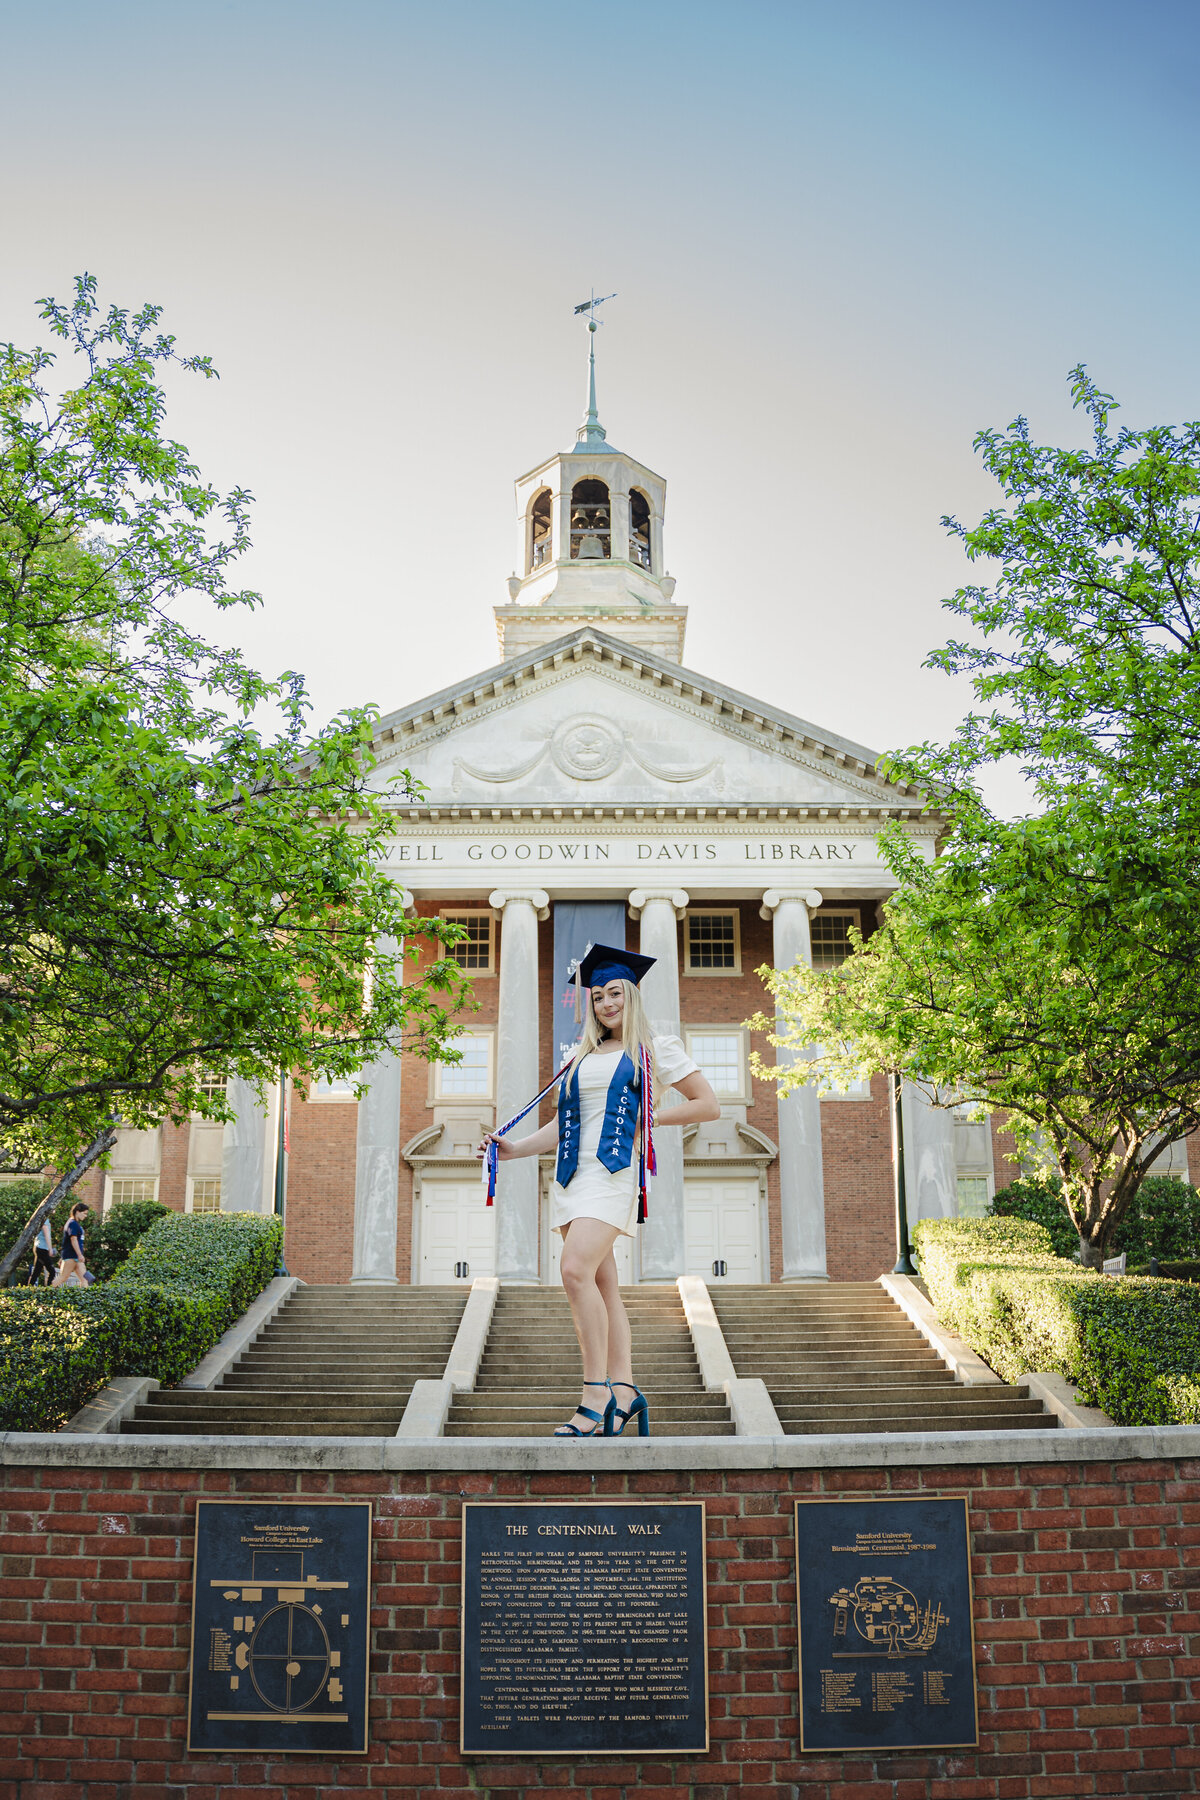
601, 1137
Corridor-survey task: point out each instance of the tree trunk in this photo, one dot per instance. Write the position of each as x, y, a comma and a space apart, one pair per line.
1090, 1255
103, 1141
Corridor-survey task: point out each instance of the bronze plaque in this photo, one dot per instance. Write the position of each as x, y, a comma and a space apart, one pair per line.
583, 1629
281, 1619
887, 1640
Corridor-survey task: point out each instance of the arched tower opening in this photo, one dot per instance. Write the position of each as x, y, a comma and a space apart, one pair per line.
591, 521
639, 529
540, 518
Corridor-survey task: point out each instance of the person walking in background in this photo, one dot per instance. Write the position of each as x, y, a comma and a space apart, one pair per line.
602, 1136
41, 1272
73, 1267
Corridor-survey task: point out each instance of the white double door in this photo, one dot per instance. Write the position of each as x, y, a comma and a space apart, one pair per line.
722, 1234
457, 1235
723, 1230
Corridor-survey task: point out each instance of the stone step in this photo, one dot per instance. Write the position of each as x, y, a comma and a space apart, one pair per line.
485, 1428
1004, 1407
240, 1427
918, 1423
368, 1420
333, 1362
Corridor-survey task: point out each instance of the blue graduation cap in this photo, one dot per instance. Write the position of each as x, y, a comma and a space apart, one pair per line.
603, 963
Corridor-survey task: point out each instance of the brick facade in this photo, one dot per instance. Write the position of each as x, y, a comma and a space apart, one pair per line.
1086, 1578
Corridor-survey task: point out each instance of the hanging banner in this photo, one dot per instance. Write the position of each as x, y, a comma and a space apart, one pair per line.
577, 926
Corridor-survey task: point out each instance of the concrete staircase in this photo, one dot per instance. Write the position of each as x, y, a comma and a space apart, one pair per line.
529, 1376
333, 1362
843, 1357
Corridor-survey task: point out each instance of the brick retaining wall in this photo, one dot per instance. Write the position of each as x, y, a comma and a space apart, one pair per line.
1086, 1580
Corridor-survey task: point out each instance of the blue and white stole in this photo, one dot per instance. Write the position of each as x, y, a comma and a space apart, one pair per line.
616, 1133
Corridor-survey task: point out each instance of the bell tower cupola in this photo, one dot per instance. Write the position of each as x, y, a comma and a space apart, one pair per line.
590, 543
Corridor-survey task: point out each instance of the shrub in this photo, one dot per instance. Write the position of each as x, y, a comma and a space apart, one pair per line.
184, 1283
17, 1202
1039, 1200
111, 1239
1132, 1346
1163, 1220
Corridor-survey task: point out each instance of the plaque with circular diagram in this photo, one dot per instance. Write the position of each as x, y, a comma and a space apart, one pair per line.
280, 1624
887, 1643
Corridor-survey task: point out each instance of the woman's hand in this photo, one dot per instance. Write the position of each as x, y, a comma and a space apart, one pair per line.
505, 1150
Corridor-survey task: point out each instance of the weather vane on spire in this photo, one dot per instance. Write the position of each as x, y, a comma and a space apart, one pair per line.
591, 431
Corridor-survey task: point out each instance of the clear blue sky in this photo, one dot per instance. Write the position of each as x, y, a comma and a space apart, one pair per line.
843, 238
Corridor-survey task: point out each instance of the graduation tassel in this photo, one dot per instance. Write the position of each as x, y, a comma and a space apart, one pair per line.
647, 1161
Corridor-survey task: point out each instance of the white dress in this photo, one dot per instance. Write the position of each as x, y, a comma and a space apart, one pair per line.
595, 1192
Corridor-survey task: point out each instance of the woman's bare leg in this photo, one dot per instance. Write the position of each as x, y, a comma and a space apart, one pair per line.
587, 1243
620, 1341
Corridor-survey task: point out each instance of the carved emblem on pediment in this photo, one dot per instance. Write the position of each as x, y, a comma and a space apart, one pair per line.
586, 747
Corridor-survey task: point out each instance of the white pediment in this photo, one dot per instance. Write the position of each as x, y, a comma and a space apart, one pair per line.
594, 730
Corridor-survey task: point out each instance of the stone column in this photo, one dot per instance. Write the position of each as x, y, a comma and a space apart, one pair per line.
801, 1168
930, 1164
663, 1245
377, 1166
247, 1155
517, 1077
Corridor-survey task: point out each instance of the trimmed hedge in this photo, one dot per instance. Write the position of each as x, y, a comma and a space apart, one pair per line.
183, 1284
1132, 1346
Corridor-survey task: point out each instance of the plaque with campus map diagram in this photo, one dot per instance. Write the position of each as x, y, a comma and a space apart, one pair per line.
887, 1643
280, 1625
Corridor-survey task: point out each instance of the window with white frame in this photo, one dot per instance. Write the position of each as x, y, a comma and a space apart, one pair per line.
131, 1187
476, 952
830, 933
974, 1194
470, 1078
211, 1085
721, 1058
204, 1194
331, 1087
712, 943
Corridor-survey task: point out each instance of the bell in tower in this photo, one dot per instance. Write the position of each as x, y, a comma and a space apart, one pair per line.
591, 546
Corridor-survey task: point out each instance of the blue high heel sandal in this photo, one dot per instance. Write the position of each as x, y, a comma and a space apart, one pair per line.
639, 1411
603, 1425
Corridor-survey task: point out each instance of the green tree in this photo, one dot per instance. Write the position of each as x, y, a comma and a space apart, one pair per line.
1085, 647
1049, 966
990, 980
182, 885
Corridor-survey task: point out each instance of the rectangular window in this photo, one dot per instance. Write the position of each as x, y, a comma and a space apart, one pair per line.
474, 952
831, 938
712, 943
973, 1196
472, 1077
210, 1085
331, 1087
721, 1056
205, 1195
131, 1187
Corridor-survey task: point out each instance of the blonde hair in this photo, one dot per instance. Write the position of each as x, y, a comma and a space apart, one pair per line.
635, 1033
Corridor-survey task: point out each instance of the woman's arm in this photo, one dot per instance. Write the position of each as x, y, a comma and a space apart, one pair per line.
699, 1103
536, 1144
